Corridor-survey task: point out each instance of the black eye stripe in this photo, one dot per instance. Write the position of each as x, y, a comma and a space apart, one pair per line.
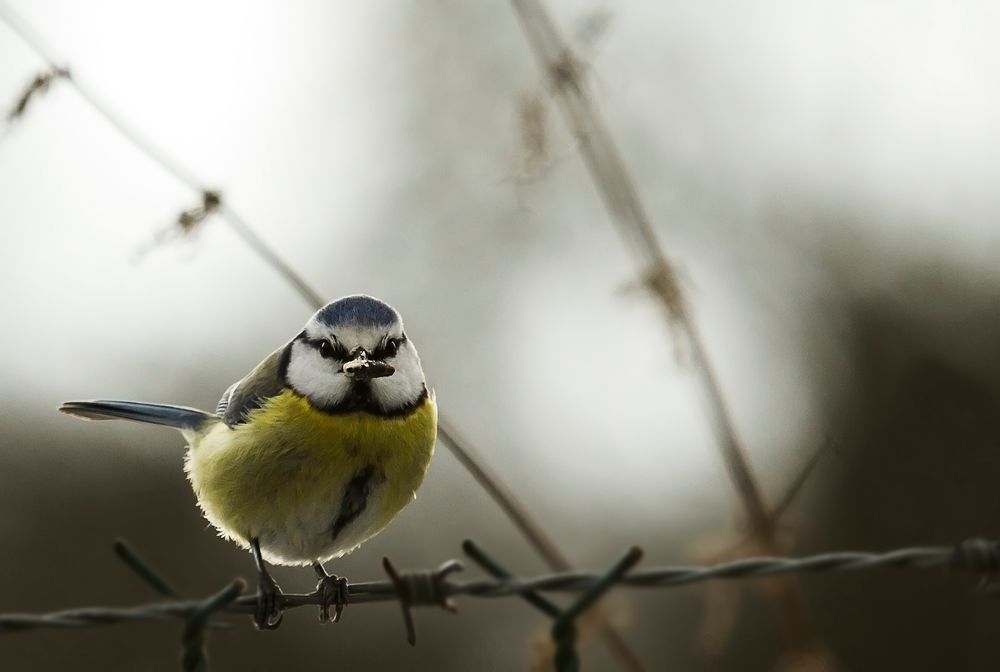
389, 347
329, 350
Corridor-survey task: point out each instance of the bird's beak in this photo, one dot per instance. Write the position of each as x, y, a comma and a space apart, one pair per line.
362, 368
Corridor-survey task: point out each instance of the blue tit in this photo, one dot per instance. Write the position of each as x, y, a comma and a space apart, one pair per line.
315, 451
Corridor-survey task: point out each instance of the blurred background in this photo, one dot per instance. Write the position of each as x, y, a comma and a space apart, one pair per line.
823, 174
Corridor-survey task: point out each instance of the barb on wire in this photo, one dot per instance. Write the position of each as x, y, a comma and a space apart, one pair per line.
190, 219
186, 224
433, 588
420, 588
37, 86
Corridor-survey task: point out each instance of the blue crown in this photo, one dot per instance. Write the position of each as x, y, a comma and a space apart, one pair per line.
358, 310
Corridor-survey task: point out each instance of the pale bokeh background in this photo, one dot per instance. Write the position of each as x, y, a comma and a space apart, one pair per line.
824, 174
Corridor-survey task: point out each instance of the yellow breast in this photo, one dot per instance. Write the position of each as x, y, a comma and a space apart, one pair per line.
281, 476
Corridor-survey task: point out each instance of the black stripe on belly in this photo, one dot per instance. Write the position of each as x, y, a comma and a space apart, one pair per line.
354, 501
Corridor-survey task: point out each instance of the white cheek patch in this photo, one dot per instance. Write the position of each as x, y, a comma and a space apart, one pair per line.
322, 382
314, 377
404, 386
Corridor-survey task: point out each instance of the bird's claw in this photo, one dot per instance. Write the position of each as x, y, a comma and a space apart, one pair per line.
333, 591
268, 614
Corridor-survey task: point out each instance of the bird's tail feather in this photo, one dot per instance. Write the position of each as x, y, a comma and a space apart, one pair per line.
178, 417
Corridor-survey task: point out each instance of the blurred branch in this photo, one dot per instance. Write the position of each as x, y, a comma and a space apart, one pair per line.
798, 481
603, 159
156, 154
212, 202
503, 496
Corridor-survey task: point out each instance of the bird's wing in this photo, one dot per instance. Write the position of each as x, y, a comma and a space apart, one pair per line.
265, 381
220, 409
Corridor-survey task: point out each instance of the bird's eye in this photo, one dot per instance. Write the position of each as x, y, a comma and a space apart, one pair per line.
391, 347
326, 349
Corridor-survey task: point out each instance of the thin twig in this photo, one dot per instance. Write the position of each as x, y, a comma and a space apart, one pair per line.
974, 555
603, 160
798, 481
516, 511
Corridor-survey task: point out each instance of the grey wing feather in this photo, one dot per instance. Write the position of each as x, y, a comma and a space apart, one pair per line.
265, 381
220, 409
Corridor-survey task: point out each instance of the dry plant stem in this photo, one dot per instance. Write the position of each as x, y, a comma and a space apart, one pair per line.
505, 499
795, 485
619, 194
162, 159
492, 483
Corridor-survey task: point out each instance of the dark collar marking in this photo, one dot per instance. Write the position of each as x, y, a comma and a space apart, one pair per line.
286, 357
360, 401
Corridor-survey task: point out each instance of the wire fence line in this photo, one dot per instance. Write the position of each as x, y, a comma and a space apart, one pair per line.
212, 202
436, 588
428, 588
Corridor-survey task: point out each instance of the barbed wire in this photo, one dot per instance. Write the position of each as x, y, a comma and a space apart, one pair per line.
437, 588
429, 588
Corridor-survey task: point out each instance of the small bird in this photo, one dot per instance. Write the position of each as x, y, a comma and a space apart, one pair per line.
312, 453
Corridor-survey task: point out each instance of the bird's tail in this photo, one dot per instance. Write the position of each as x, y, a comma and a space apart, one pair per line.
178, 417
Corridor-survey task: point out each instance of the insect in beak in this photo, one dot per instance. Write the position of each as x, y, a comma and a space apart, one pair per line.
362, 368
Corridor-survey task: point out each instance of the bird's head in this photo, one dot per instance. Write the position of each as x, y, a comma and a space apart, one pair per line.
353, 355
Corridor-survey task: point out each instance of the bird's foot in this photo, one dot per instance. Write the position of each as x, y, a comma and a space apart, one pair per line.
333, 591
269, 603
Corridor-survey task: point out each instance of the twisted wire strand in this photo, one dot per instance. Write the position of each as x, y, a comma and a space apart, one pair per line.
429, 588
